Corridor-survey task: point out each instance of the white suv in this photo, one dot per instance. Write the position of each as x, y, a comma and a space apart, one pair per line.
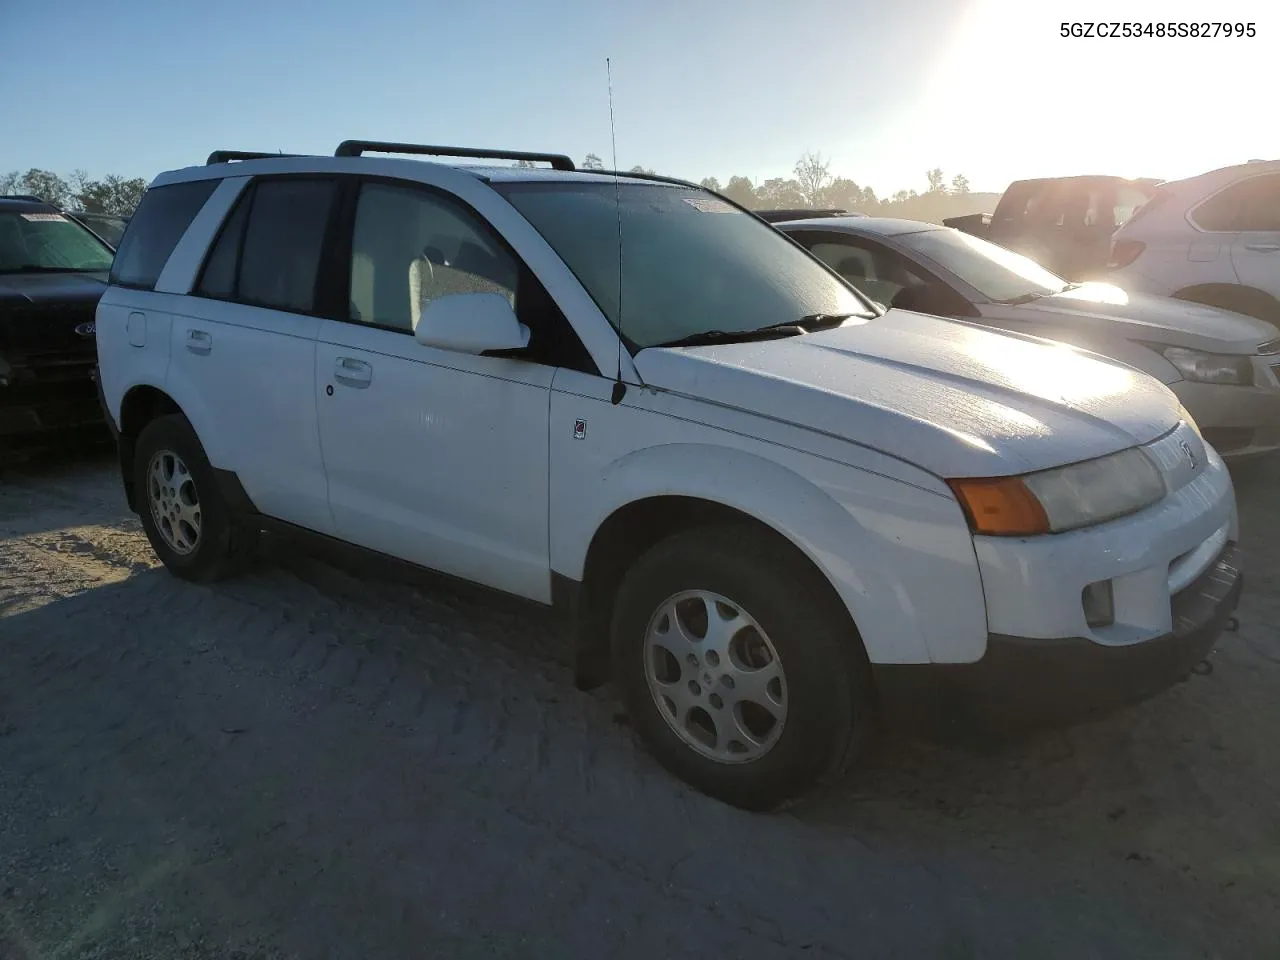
775, 512
1214, 239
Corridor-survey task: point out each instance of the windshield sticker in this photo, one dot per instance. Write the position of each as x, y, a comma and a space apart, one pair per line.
709, 205
43, 216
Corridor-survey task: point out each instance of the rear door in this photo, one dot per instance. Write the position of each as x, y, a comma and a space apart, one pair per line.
1255, 252
244, 341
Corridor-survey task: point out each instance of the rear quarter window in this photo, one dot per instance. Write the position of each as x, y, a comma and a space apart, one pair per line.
155, 229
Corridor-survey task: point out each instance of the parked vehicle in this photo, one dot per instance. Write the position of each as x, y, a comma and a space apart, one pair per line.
52, 272
1063, 223
107, 226
1211, 239
770, 508
1221, 365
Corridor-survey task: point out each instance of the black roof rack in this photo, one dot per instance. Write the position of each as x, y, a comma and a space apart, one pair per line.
224, 156
30, 197
354, 148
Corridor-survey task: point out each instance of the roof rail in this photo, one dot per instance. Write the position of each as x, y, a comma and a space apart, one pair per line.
783, 214
224, 156
23, 196
354, 148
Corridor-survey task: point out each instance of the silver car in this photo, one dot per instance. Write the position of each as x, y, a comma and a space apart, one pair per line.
1222, 365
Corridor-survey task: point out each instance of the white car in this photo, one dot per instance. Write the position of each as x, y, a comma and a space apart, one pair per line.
1220, 364
772, 509
1214, 239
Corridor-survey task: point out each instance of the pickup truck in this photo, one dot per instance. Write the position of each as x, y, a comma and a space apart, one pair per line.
1063, 223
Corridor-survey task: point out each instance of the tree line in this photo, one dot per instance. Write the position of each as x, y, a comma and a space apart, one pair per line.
812, 186
77, 192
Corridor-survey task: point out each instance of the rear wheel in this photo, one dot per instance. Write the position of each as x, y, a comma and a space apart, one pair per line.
191, 528
740, 673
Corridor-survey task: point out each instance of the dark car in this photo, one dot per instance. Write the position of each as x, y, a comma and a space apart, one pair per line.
1063, 223
106, 225
52, 272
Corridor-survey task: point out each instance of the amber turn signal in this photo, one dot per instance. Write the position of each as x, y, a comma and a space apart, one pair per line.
1000, 507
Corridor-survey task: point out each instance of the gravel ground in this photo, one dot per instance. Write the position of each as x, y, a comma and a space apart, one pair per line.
324, 760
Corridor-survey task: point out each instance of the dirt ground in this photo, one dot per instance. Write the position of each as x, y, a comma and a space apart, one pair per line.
321, 760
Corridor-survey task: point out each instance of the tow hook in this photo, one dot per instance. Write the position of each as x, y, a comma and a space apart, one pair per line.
1233, 625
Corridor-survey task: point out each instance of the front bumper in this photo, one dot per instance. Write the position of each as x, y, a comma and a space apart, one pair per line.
1023, 682
1238, 422
36, 420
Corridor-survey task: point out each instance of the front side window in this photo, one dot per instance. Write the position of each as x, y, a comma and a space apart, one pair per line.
35, 241
878, 273
410, 247
155, 229
1246, 206
998, 274
268, 251
689, 264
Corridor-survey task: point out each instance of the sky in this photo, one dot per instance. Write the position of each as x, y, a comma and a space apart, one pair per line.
883, 90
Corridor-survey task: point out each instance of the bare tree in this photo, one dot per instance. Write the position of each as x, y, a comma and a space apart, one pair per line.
813, 176
592, 162
960, 184
937, 182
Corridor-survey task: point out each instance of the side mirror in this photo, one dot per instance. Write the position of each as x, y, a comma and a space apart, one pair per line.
471, 323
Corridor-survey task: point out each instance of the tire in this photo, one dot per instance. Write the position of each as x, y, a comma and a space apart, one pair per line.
195, 516
826, 692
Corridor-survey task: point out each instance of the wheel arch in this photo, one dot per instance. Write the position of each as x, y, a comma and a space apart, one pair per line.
141, 404
1237, 297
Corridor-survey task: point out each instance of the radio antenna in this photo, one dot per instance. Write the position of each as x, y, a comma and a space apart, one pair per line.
619, 388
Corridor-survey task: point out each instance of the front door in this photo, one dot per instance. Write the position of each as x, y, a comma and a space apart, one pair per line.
435, 457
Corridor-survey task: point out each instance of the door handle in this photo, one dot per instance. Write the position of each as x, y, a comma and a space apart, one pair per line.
198, 341
352, 372
1263, 247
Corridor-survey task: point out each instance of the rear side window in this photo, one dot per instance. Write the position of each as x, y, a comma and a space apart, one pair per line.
155, 229
268, 252
1248, 205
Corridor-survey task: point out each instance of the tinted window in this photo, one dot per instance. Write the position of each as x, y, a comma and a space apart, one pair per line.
268, 251
219, 277
690, 262
878, 273
410, 247
1249, 205
282, 243
39, 241
155, 229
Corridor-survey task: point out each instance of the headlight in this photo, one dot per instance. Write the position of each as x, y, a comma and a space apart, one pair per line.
1210, 367
1064, 498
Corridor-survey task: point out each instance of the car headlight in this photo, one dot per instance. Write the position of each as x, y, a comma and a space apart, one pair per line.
1210, 367
1064, 498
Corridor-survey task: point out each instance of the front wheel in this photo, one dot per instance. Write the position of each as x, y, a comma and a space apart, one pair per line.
740, 672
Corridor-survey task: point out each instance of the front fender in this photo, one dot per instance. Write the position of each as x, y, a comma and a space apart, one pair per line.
900, 557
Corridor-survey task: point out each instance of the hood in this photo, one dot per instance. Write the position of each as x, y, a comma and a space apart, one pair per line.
44, 313
51, 287
1152, 319
947, 396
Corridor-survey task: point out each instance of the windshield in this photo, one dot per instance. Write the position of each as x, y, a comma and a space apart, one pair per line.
690, 263
998, 274
36, 241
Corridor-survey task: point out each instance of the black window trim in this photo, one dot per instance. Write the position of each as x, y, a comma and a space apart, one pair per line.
248, 195
1189, 216
115, 281
338, 265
